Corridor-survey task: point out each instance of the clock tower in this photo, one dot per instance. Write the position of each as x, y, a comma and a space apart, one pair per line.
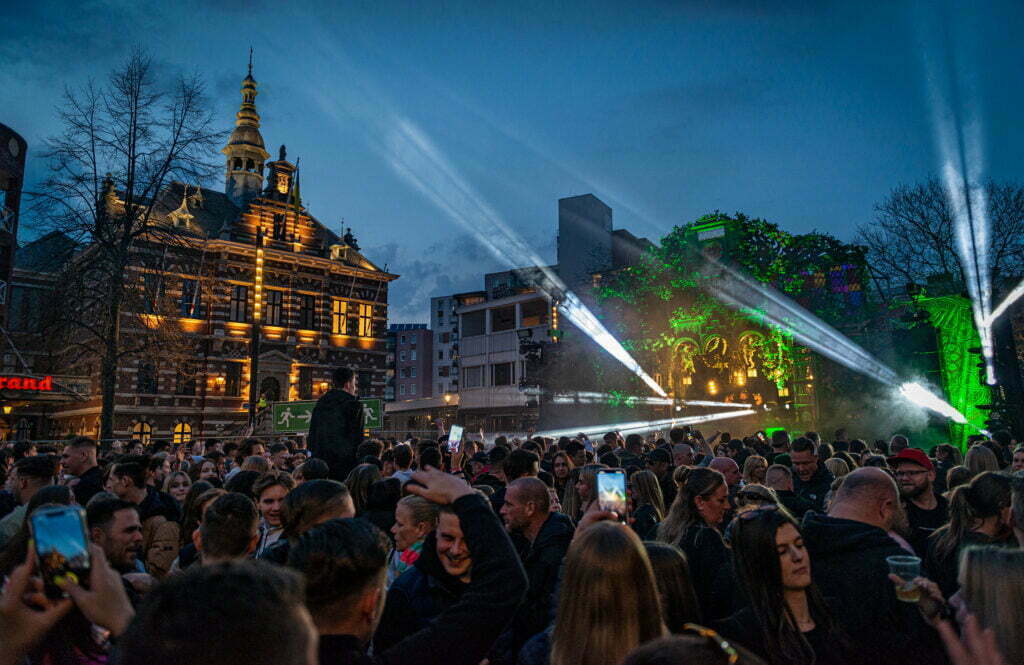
245, 151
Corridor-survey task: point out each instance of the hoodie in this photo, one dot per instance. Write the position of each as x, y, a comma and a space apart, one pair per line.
417, 597
848, 564
335, 431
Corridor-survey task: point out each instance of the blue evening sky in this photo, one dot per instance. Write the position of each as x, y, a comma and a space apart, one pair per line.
806, 113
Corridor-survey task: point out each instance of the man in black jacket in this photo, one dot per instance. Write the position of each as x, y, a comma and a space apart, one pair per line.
542, 538
848, 549
79, 459
336, 428
344, 562
812, 480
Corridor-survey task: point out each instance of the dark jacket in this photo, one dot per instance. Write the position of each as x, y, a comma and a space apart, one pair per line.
945, 570
744, 629
710, 564
645, 522
417, 597
89, 485
796, 505
464, 632
848, 563
542, 560
335, 431
814, 490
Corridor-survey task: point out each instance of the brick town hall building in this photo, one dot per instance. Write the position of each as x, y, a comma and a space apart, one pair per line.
260, 286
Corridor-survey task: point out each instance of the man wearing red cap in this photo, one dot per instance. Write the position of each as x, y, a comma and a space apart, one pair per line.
926, 510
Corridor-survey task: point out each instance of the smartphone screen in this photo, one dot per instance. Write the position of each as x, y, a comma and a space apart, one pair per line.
455, 438
60, 545
611, 491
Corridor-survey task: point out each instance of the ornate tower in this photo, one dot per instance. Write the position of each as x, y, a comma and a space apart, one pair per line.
245, 151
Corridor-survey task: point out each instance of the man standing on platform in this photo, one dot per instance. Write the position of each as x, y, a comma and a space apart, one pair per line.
336, 428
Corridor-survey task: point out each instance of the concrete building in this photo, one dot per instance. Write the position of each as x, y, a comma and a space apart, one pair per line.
413, 345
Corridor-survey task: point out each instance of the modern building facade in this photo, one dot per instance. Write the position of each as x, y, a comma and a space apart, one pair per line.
413, 346
267, 298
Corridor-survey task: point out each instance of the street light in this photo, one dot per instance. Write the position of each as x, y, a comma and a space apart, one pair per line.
447, 398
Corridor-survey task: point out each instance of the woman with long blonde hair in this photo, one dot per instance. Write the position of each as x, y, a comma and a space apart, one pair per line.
993, 593
582, 493
648, 504
980, 459
608, 603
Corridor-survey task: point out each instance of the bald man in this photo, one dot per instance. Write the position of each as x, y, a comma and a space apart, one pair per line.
542, 538
848, 549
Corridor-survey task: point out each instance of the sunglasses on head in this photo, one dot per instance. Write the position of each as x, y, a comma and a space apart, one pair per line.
729, 651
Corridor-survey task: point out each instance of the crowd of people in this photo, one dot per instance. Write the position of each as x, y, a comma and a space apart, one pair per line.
764, 549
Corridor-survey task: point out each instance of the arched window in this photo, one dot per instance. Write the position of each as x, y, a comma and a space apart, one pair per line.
250, 165
182, 433
238, 164
143, 432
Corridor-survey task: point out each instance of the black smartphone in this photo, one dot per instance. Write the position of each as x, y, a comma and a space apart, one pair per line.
61, 546
611, 492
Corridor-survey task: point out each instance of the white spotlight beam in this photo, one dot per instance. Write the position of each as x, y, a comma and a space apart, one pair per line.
1011, 298
728, 405
757, 299
417, 160
920, 395
636, 427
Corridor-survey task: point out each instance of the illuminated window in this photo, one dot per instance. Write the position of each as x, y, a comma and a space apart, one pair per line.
712, 388
339, 317
182, 433
239, 311
272, 313
282, 183
365, 320
142, 432
307, 312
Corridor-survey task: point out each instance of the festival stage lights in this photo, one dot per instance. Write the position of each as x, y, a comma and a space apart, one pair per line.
920, 395
584, 397
728, 405
637, 427
759, 300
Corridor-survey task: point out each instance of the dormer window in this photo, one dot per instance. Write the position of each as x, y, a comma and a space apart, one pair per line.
282, 183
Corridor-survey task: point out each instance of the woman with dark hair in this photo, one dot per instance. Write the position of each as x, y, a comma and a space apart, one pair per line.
979, 514
787, 622
195, 505
561, 469
675, 587
358, 483
381, 501
304, 507
191, 512
693, 524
